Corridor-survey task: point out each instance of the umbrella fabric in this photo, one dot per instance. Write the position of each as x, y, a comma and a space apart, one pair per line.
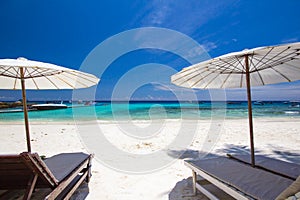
27, 74
267, 65
40, 76
255, 67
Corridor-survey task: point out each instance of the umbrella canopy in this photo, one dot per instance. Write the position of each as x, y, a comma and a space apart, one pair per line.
27, 74
254, 67
41, 76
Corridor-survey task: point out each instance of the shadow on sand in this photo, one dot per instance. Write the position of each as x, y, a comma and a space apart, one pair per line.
80, 194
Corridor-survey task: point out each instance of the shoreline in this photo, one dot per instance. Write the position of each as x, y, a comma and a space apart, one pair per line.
112, 121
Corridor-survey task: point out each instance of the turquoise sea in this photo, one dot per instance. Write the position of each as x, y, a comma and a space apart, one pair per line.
157, 110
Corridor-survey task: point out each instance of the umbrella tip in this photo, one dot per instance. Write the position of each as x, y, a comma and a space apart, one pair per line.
21, 58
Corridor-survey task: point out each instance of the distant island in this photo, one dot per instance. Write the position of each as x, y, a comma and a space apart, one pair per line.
10, 104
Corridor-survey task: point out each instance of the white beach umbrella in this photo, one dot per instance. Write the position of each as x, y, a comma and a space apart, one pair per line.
21, 74
254, 67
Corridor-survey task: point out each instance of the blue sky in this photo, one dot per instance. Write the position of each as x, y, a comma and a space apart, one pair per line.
65, 32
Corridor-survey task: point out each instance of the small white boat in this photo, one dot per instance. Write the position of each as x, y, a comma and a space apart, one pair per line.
258, 103
49, 106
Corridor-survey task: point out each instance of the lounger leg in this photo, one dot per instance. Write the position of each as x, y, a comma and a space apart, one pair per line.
70, 193
64, 184
194, 182
30, 187
89, 171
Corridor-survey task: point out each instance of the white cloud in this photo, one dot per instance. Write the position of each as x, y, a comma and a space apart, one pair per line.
208, 46
185, 16
159, 13
290, 40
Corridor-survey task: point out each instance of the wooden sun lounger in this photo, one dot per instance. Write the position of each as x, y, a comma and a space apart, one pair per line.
63, 173
239, 180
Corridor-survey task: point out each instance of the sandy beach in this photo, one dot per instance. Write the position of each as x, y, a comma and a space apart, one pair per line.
168, 178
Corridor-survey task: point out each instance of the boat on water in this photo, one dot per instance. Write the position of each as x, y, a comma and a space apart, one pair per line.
260, 103
295, 104
49, 106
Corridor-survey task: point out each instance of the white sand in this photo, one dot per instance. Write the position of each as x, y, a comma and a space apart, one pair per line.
277, 137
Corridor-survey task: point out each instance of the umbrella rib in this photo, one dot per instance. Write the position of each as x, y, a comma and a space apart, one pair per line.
289, 80
277, 59
284, 60
18, 76
73, 86
219, 64
197, 74
46, 77
228, 64
26, 71
241, 81
271, 62
66, 82
259, 75
274, 58
189, 73
201, 79
275, 63
213, 71
259, 61
227, 77
32, 78
35, 83
4, 70
242, 64
7, 73
243, 72
81, 76
40, 72
231, 72
231, 64
211, 80
191, 70
44, 72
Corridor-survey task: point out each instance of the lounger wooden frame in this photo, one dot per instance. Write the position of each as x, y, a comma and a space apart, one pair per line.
223, 186
28, 171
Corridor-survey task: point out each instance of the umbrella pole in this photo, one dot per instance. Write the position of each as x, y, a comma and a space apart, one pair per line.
25, 109
250, 111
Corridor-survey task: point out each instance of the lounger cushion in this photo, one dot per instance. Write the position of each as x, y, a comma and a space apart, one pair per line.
291, 190
256, 183
291, 170
61, 165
